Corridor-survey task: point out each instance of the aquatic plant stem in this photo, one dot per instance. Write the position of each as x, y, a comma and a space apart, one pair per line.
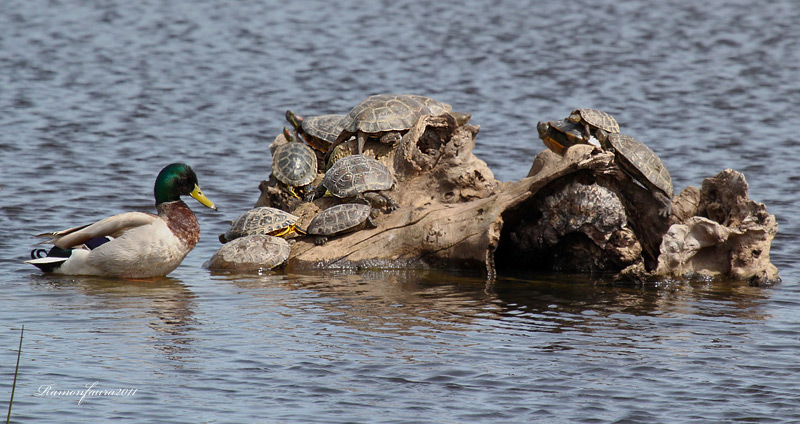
16, 371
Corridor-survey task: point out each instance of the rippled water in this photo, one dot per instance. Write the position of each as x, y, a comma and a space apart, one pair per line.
95, 97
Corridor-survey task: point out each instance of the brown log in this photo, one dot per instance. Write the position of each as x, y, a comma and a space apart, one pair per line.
576, 212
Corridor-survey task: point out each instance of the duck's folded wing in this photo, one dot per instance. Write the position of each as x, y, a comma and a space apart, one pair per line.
113, 226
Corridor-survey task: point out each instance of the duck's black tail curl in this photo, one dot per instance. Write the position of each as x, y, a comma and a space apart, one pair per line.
38, 253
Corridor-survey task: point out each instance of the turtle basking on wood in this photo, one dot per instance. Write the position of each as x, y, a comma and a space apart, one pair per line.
294, 164
262, 220
558, 136
359, 177
593, 120
340, 219
383, 116
437, 108
643, 165
256, 252
319, 132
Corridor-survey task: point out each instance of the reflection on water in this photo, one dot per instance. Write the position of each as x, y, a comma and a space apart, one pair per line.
165, 305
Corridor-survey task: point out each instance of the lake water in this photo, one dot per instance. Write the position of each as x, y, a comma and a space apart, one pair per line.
97, 96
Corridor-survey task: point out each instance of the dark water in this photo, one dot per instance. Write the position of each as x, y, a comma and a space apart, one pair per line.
95, 97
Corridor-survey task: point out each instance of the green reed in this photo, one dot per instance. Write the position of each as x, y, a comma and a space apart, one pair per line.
16, 372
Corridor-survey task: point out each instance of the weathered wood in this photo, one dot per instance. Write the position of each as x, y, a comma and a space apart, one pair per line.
576, 212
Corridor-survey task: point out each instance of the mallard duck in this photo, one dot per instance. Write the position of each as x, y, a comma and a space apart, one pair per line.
132, 244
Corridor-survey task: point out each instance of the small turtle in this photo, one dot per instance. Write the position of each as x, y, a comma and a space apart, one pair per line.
643, 165
262, 220
382, 116
341, 151
250, 253
294, 164
341, 219
558, 136
359, 177
592, 120
318, 131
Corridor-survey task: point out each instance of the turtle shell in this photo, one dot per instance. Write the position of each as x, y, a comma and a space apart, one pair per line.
641, 162
261, 220
597, 119
294, 164
323, 127
250, 253
559, 135
436, 107
339, 219
356, 174
383, 113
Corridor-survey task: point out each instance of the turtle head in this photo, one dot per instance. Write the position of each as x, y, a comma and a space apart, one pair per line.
461, 117
287, 135
295, 120
541, 128
601, 136
575, 116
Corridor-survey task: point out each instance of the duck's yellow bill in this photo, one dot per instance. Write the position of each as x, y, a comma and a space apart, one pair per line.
198, 194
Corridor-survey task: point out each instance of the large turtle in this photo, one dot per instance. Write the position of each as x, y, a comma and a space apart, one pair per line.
643, 165
359, 177
559, 135
262, 220
318, 131
256, 252
437, 108
340, 219
593, 120
294, 164
382, 116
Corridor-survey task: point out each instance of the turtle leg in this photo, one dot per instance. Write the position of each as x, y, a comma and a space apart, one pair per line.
293, 193
339, 140
282, 232
361, 140
315, 193
666, 204
391, 138
378, 200
320, 240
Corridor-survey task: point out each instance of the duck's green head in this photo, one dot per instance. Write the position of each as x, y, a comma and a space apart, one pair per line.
178, 179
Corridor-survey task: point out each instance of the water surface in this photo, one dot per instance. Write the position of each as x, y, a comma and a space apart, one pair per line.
96, 97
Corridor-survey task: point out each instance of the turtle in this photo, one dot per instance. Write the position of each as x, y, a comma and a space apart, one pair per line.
340, 219
338, 152
592, 120
262, 220
643, 165
250, 253
294, 164
437, 108
559, 135
359, 177
320, 131
382, 116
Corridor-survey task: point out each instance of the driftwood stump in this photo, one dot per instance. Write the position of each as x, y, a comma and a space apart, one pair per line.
577, 212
